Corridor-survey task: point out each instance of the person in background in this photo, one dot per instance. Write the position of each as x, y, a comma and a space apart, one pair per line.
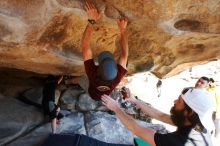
158, 85
202, 82
108, 74
216, 117
191, 113
49, 105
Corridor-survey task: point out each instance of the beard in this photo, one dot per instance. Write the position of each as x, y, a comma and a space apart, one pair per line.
177, 116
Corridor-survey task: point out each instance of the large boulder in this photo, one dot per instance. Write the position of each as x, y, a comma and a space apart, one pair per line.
71, 124
165, 37
86, 103
35, 96
69, 98
16, 119
107, 128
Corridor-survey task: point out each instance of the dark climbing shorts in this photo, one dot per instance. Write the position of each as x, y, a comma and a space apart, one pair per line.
53, 114
49, 108
60, 116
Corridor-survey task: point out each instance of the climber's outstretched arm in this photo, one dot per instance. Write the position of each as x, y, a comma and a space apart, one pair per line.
93, 15
122, 24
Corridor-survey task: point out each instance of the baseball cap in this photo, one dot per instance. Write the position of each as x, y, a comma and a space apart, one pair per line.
107, 66
200, 102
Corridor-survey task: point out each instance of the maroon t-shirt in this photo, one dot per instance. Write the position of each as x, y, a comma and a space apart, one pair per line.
96, 87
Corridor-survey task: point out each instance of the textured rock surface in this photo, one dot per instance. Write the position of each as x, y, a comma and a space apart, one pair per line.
71, 124
22, 125
14, 82
165, 37
99, 123
16, 119
36, 96
69, 98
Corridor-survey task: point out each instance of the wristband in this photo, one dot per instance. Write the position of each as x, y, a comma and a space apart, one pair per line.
92, 21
